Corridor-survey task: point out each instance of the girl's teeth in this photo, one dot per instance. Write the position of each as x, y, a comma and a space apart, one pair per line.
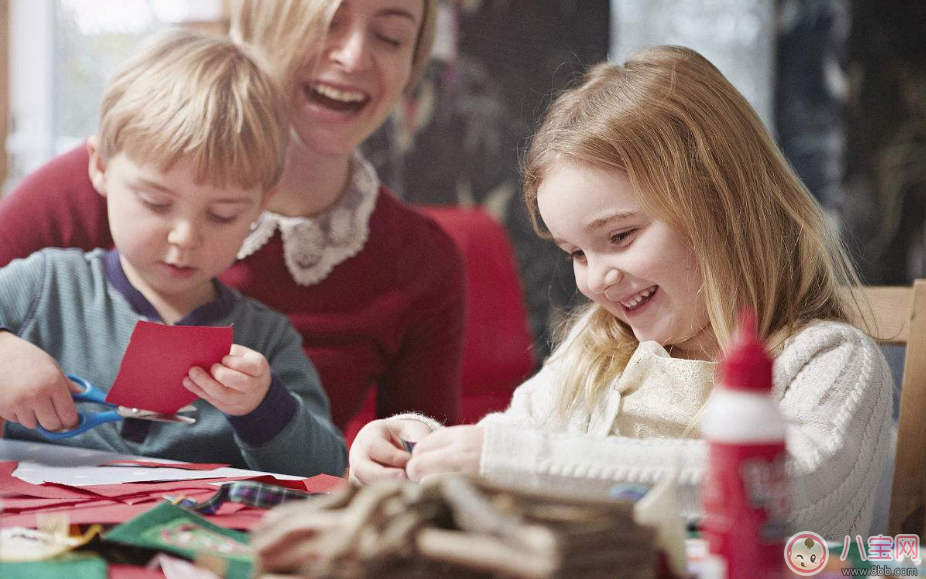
339, 95
634, 301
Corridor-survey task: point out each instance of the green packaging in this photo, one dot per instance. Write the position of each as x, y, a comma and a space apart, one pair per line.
172, 529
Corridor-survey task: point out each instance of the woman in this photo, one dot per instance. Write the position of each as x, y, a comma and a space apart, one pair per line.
375, 289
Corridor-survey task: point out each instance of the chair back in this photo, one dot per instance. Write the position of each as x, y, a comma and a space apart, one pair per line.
897, 315
498, 352
498, 349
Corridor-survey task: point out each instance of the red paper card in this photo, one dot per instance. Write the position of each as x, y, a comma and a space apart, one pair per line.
159, 357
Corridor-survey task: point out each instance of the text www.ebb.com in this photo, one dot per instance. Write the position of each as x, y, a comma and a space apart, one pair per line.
880, 571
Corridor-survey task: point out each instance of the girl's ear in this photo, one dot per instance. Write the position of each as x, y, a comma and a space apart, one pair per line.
97, 166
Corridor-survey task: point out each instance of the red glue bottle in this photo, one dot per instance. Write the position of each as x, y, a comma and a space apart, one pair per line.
745, 491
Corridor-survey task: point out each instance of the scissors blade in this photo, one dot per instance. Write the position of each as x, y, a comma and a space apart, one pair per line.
126, 412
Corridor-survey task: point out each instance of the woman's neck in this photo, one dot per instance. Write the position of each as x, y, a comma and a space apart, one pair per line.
311, 183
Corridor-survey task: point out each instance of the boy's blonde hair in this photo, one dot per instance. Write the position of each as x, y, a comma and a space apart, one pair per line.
204, 99
700, 159
287, 29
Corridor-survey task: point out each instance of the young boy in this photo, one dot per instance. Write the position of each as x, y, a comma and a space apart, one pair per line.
191, 140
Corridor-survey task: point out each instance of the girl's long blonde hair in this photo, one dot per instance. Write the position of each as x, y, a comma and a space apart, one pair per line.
700, 159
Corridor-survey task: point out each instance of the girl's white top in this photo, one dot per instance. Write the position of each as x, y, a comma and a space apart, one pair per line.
833, 387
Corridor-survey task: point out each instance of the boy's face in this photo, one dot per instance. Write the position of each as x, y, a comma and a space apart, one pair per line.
174, 235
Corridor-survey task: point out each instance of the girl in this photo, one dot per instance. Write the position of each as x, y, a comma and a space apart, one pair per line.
660, 183
375, 289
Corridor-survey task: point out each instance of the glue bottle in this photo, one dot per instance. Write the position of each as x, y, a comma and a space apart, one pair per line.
745, 491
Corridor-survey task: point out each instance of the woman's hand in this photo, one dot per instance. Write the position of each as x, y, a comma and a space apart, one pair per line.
237, 385
35, 392
377, 452
457, 449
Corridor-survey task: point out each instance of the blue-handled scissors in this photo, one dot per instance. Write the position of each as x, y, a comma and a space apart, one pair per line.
91, 393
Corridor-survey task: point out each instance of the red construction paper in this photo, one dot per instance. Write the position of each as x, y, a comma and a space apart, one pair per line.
101, 511
108, 512
230, 508
155, 464
117, 491
195, 494
159, 357
114, 571
244, 520
18, 504
11, 485
117, 503
324, 483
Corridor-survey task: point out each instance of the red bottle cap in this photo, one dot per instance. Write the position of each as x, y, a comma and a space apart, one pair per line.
746, 365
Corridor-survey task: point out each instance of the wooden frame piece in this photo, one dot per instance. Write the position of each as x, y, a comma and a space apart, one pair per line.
897, 315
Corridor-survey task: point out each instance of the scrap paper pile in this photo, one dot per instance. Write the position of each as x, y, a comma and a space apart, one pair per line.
23, 502
153, 539
454, 527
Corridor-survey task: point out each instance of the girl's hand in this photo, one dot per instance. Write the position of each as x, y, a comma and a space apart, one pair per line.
35, 392
457, 449
237, 385
377, 452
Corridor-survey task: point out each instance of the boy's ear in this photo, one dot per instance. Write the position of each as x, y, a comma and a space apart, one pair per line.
97, 166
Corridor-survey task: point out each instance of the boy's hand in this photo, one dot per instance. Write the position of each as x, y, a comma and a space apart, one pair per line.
33, 390
456, 449
237, 385
377, 452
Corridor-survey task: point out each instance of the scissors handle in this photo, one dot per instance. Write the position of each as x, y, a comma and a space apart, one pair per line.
87, 421
90, 393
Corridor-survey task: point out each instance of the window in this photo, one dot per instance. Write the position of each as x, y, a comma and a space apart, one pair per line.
62, 52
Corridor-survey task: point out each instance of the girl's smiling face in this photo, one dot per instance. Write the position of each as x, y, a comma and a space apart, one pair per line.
637, 267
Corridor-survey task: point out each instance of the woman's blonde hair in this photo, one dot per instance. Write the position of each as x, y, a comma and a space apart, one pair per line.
700, 159
285, 29
205, 99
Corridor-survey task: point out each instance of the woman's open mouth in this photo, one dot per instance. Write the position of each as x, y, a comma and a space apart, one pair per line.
334, 99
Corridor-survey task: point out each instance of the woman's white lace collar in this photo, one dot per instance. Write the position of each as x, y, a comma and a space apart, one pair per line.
313, 246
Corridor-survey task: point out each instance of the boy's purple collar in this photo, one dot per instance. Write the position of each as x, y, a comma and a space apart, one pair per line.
202, 316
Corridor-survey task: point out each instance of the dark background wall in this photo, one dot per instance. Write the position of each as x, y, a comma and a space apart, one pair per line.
482, 105
885, 123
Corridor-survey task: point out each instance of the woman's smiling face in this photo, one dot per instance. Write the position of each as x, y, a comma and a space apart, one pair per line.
637, 267
352, 81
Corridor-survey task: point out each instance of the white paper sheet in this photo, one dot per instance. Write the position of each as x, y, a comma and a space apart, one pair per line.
42, 462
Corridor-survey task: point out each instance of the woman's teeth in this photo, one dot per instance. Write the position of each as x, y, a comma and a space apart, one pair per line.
637, 299
344, 96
